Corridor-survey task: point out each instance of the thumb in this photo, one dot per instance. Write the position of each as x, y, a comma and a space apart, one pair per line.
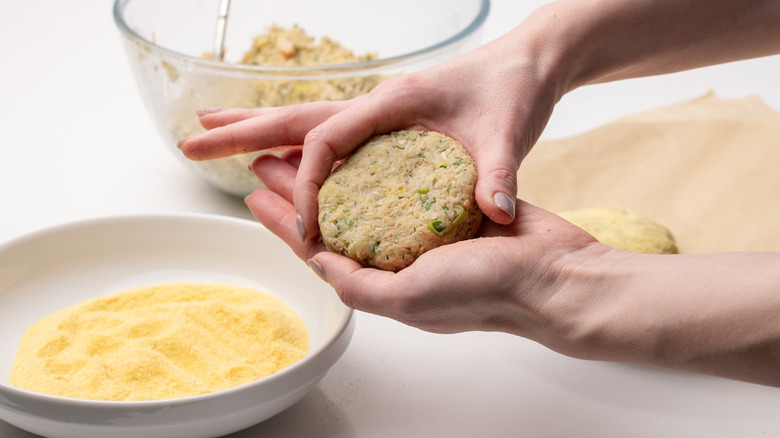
496, 189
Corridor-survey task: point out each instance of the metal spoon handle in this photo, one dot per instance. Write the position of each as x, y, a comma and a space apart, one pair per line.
219, 35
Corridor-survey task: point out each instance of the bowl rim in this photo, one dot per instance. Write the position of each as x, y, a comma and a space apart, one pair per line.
432, 50
344, 327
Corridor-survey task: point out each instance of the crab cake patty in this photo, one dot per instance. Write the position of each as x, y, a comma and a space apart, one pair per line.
397, 196
623, 228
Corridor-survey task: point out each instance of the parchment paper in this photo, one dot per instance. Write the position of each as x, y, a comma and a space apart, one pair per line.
708, 169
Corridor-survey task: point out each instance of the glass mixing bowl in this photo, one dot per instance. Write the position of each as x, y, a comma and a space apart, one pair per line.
166, 41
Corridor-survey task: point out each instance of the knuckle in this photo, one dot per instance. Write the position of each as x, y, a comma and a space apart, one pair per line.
405, 88
504, 176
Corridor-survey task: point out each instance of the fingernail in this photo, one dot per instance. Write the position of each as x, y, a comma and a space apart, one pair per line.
209, 110
181, 142
301, 229
505, 203
317, 268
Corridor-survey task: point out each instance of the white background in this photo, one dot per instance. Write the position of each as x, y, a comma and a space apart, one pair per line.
76, 143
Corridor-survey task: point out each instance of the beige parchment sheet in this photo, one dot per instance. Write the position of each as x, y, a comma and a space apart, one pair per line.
708, 169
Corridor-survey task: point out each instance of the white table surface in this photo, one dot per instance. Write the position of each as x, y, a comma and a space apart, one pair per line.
77, 143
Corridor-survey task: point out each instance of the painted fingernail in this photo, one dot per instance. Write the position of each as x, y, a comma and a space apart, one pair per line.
505, 203
317, 268
204, 111
301, 229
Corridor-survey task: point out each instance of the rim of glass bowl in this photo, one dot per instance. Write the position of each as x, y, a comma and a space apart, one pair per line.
298, 72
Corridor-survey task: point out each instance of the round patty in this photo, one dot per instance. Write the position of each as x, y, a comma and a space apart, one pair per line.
622, 228
397, 196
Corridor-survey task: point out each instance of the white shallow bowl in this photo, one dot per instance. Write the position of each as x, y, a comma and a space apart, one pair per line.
58, 267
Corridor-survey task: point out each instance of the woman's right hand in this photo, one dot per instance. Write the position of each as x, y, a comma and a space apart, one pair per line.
472, 99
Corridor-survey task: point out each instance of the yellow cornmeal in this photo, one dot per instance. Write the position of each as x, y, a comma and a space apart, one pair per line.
623, 228
160, 342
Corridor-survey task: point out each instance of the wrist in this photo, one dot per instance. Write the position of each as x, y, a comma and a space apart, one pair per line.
575, 307
611, 305
588, 307
557, 37
627, 307
560, 44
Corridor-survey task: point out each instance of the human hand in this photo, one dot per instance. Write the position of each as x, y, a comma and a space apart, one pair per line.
461, 99
502, 280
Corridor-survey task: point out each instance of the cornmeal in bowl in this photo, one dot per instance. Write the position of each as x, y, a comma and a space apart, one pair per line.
160, 342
